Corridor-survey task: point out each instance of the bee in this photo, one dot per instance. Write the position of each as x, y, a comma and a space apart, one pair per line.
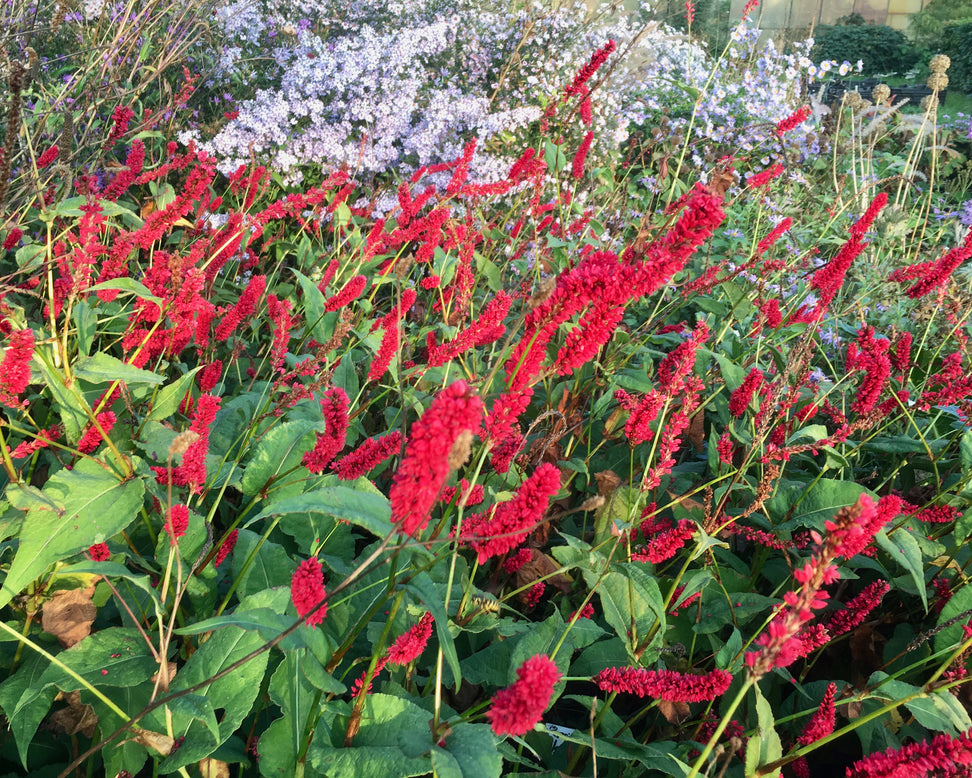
485, 604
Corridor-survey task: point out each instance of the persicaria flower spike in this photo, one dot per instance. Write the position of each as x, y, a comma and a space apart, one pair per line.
15, 367
307, 590
438, 442
793, 120
335, 409
821, 723
667, 685
411, 643
599, 57
741, 397
517, 708
178, 521
226, 548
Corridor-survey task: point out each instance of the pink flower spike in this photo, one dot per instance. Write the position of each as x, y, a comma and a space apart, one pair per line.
517, 708
307, 590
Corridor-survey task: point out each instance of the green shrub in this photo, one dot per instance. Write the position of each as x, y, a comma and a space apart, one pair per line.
883, 49
957, 40
929, 25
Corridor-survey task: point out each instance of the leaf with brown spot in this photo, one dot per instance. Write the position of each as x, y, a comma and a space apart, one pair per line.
75, 718
674, 712
68, 615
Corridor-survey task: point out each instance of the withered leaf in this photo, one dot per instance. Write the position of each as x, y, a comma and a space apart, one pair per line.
75, 718
696, 431
675, 712
213, 768
157, 741
607, 482
538, 567
68, 615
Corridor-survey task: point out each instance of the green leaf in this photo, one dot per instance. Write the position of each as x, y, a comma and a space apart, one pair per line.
167, 399
25, 498
13, 688
765, 746
271, 565
96, 506
320, 324
965, 452
129, 285
282, 743
941, 712
741, 607
795, 505
100, 368
364, 509
553, 155
473, 746
630, 597
197, 707
904, 550
948, 638
70, 407
393, 741
234, 694
86, 322
432, 596
279, 450
117, 656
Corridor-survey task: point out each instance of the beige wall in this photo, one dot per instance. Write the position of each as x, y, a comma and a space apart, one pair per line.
774, 15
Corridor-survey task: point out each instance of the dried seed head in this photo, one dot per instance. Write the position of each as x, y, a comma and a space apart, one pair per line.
937, 81
461, 450
852, 100
939, 63
181, 442
930, 102
880, 93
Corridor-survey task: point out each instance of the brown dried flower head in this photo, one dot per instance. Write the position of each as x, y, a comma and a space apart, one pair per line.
880, 93
181, 442
939, 63
937, 81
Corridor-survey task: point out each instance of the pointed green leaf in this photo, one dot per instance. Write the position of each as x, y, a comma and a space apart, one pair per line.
96, 506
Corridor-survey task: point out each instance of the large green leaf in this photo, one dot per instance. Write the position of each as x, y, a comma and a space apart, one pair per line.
96, 506
100, 368
796, 505
365, 509
234, 694
270, 565
905, 551
764, 746
392, 742
279, 450
113, 657
469, 752
70, 406
282, 743
629, 597
167, 399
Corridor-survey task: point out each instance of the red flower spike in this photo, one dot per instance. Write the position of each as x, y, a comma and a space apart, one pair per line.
15, 367
516, 709
664, 684
411, 643
821, 723
507, 525
178, 521
366, 457
226, 548
99, 552
307, 590
428, 455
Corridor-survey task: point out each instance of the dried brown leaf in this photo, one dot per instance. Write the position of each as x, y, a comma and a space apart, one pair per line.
539, 567
674, 712
607, 482
75, 718
157, 741
68, 615
213, 768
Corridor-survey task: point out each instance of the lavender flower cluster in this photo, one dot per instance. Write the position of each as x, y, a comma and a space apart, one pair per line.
742, 97
391, 86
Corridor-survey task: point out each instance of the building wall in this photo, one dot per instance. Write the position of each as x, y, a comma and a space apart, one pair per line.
778, 15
